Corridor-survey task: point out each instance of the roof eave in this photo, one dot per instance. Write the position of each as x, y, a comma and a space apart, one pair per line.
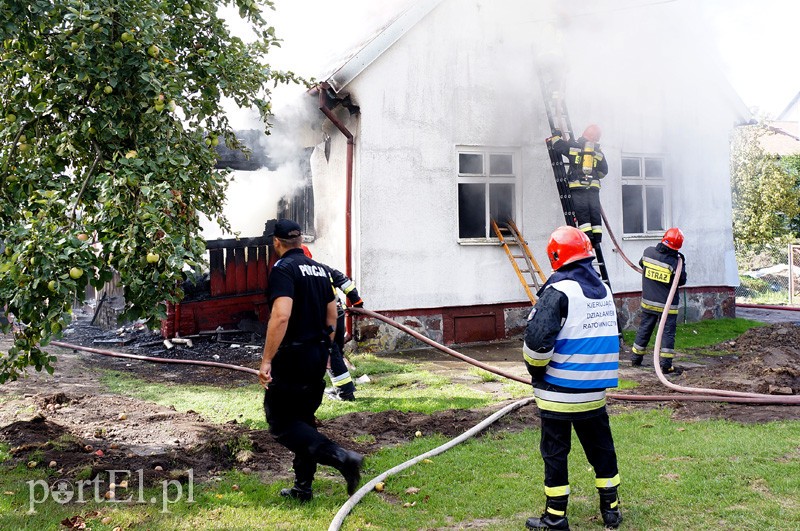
382, 42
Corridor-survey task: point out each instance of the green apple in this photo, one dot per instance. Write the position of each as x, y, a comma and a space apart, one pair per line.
152, 257
52, 285
108, 89
153, 50
159, 106
126, 37
11, 118
131, 154
75, 273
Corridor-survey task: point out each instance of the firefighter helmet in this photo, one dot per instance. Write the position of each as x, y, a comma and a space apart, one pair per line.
673, 238
592, 133
307, 251
566, 245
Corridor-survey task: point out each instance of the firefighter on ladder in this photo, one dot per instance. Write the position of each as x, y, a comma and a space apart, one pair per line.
587, 166
571, 351
341, 379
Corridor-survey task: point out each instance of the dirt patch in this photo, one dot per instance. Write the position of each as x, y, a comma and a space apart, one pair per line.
60, 423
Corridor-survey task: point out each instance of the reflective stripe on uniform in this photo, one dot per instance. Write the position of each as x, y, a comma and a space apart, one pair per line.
605, 483
658, 307
639, 351
571, 398
342, 379
578, 184
560, 407
348, 286
585, 227
553, 492
555, 511
597, 229
537, 359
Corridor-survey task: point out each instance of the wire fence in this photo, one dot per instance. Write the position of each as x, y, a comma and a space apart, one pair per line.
777, 284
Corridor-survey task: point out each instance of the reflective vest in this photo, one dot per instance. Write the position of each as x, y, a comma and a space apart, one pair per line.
585, 354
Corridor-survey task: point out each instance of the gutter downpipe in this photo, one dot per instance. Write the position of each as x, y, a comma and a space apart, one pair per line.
348, 209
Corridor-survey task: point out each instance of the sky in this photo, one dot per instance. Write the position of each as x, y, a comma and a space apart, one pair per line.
756, 40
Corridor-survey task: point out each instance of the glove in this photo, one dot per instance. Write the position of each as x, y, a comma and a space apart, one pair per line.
359, 303
557, 135
683, 258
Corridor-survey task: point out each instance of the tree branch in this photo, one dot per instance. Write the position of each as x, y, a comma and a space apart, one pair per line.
86, 179
14, 145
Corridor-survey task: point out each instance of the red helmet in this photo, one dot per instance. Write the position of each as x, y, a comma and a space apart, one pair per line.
592, 133
307, 251
566, 245
673, 238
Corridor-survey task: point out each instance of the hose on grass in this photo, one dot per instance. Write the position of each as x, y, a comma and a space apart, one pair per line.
337, 521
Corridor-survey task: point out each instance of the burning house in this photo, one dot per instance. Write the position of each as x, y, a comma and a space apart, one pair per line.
437, 124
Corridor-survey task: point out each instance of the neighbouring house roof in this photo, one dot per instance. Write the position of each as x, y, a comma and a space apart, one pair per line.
792, 111
783, 139
377, 43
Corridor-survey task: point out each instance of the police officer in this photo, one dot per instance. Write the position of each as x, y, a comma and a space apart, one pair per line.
299, 332
340, 377
571, 351
587, 166
658, 267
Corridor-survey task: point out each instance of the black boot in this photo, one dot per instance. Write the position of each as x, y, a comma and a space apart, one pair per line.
668, 368
636, 360
304, 470
609, 507
297, 492
347, 462
554, 516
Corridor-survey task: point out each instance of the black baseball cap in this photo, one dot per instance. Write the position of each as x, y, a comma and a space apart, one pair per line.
286, 229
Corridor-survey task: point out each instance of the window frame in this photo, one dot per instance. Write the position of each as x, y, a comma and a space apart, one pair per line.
645, 181
487, 180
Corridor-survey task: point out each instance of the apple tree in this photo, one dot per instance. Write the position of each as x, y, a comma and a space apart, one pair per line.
109, 114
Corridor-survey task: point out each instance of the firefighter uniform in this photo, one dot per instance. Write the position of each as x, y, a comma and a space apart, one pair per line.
298, 370
584, 189
340, 376
571, 351
658, 269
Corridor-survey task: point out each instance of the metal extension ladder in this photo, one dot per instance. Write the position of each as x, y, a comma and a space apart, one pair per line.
521, 257
558, 118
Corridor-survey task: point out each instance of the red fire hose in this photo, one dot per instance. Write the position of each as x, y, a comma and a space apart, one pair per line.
758, 397
616, 244
710, 395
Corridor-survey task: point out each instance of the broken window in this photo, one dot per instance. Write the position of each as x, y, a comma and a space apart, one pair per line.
487, 182
300, 205
643, 195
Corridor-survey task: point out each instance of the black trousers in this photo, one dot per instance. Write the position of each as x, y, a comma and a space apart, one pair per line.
586, 202
341, 376
594, 434
646, 327
290, 402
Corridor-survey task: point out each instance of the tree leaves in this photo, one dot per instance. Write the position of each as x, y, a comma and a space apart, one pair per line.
105, 111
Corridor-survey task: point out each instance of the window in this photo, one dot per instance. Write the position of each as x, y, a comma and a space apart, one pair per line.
487, 182
300, 205
643, 195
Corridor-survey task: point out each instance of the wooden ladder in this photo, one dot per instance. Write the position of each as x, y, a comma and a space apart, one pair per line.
521, 257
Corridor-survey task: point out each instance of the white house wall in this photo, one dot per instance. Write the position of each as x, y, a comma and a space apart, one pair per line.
464, 76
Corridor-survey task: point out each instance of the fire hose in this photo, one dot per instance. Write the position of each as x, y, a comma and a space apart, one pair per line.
616, 244
708, 395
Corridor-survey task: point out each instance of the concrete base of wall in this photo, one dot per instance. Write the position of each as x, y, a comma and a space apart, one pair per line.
471, 324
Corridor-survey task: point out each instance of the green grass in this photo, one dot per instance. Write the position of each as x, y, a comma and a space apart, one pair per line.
699, 475
408, 389
702, 333
705, 475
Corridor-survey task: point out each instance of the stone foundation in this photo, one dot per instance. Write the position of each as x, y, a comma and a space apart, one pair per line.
506, 321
